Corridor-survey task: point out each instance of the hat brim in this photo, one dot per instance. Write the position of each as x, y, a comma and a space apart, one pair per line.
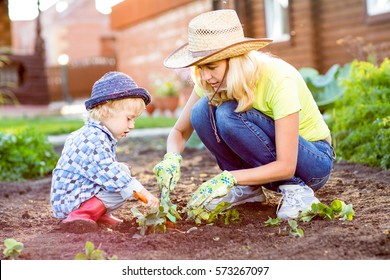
182, 57
133, 93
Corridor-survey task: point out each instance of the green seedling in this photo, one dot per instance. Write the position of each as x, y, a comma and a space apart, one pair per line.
169, 209
12, 249
93, 254
338, 209
295, 231
156, 220
273, 222
201, 215
153, 221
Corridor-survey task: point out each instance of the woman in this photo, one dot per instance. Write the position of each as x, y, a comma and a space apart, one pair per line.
254, 113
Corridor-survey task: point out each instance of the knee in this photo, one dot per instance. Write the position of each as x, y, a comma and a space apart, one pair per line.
225, 117
199, 112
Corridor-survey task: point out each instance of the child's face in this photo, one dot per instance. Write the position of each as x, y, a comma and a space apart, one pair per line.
121, 121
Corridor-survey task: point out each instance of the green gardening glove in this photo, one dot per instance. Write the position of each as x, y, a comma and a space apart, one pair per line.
218, 186
168, 171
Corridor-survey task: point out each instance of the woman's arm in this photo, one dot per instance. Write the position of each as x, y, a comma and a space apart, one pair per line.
182, 129
286, 138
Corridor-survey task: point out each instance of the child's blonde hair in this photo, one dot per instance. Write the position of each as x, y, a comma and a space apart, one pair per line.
106, 110
243, 74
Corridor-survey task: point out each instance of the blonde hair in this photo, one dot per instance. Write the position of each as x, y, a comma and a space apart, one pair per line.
106, 110
243, 74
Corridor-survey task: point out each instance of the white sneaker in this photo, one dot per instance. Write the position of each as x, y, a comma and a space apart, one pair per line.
296, 198
239, 195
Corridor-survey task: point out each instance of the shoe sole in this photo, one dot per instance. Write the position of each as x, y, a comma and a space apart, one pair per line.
259, 198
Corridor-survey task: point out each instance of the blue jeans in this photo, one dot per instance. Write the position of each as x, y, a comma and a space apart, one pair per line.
248, 140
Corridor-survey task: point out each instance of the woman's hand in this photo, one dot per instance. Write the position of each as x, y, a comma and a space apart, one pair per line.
218, 186
168, 171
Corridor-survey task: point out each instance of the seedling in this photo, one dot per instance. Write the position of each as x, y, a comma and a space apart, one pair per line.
337, 210
153, 221
273, 222
157, 220
93, 254
200, 215
295, 231
12, 249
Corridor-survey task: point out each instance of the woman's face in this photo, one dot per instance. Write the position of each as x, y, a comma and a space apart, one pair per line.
213, 73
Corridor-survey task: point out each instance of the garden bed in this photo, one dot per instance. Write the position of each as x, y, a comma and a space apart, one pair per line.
25, 215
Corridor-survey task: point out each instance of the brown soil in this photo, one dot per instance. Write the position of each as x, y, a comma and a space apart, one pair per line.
25, 215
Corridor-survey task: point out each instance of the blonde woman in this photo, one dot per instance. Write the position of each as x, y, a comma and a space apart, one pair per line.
254, 113
88, 183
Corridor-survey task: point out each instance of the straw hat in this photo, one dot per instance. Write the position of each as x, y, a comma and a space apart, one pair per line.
113, 86
213, 36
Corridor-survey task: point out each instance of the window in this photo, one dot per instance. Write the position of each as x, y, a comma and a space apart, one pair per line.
377, 10
277, 20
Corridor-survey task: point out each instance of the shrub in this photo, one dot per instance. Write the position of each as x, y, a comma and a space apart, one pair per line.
26, 154
360, 120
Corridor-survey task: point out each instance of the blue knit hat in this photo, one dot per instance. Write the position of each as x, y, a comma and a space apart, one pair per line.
113, 86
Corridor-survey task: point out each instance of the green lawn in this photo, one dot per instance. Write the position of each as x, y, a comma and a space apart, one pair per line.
55, 125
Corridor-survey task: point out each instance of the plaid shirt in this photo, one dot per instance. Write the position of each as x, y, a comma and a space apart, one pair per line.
87, 165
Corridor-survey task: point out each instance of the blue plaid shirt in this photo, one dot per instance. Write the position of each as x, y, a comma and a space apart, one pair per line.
87, 165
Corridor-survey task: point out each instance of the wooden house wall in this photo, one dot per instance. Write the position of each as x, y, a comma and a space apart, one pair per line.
318, 27
339, 19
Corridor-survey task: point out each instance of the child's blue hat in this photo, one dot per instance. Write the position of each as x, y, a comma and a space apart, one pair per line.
113, 86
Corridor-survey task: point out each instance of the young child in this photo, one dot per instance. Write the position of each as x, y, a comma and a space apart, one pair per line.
88, 182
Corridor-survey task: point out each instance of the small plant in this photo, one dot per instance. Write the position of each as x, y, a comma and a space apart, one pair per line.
152, 222
294, 230
157, 220
338, 209
273, 222
201, 215
13, 248
93, 254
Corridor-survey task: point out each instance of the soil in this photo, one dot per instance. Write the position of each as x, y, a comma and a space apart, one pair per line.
25, 215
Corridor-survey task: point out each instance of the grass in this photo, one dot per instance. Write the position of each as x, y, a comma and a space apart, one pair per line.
55, 125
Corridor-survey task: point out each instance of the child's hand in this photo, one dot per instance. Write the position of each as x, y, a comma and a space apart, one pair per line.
153, 202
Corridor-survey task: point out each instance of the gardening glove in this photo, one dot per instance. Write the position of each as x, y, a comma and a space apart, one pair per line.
168, 171
218, 186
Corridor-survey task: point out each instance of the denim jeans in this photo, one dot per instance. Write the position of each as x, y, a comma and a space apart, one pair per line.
248, 140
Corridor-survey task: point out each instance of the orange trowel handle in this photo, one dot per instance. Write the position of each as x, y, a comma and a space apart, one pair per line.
140, 197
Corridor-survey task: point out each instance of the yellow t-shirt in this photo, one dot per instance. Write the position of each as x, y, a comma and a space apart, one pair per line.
281, 91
